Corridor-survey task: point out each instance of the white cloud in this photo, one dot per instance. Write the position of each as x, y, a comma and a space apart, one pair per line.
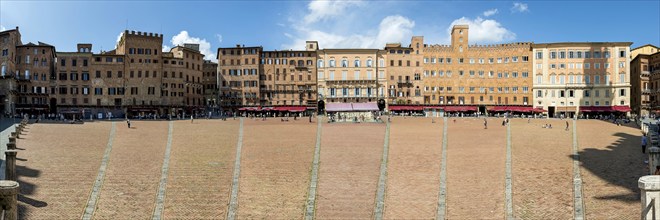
219, 36
204, 46
118, 38
344, 24
320, 10
2, 28
484, 30
519, 7
166, 48
490, 12
393, 29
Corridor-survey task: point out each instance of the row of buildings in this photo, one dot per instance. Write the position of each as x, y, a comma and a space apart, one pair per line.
137, 77
558, 78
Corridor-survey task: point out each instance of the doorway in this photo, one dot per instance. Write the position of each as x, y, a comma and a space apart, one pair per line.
551, 111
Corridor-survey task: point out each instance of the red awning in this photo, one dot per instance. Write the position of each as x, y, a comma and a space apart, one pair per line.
250, 109
289, 108
297, 109
513, 109
596, 108
463, 108
499, 108
432, 107
538, 110
621, 108
405, 108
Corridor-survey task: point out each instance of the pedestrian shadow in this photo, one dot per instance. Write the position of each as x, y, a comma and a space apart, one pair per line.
619, 164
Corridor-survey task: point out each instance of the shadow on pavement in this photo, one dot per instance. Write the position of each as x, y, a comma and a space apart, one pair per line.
619, 164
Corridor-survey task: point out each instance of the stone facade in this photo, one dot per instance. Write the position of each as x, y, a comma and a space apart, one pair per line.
481, 75
136, 78
571, 76
647, 49
26, 73
654, 83
352, 75
405, 70
640, 91
210, 84
250, 76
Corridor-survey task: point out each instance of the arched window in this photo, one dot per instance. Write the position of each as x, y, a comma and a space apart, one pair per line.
344, 63
356, 63
319, 64
331, 63
369, 63
301, 63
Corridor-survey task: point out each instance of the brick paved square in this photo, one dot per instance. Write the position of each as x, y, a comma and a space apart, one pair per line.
56, 170
276, 162
611, 163
542, 169
413, 172
134, 170
475, 169
349, 170
201, 169
58, 164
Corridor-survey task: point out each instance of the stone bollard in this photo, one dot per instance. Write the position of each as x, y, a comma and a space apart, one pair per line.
9, 198
11, 145
650, 191
10, 165
654, 158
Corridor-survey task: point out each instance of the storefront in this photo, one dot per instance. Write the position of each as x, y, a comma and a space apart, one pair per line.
604, 111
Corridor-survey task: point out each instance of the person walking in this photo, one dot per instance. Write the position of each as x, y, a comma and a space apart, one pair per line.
485, 124
566, 125
644, 144
191, 119
128, 121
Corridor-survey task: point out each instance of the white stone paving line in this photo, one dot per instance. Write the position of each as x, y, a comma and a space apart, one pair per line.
382, 180
160, 197
311, 195
96, 189
233, 201
507, 187
578, 203
442, 194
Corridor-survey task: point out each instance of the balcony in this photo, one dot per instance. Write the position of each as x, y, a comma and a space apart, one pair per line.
646, 91
301, 68
406, 84
350, 81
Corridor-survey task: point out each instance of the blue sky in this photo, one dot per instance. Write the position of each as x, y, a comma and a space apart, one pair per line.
335, 24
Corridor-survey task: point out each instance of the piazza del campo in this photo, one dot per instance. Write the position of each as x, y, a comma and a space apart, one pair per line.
472, 121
